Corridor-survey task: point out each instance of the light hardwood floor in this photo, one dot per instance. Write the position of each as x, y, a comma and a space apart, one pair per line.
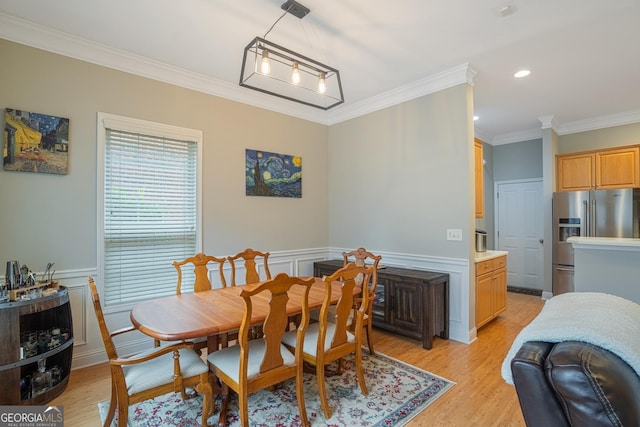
479, 398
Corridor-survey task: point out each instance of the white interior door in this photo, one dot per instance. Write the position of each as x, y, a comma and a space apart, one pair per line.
519, 231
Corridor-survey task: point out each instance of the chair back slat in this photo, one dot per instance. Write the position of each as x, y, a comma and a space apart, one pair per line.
252, 275
200, 263
276, 293
359, 257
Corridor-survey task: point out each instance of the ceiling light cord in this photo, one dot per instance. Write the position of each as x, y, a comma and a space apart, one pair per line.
277, 20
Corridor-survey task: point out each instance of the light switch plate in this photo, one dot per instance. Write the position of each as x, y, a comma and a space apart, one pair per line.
454, 234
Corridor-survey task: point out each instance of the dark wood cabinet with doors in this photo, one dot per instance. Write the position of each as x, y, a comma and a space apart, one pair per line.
35, 334
413, 303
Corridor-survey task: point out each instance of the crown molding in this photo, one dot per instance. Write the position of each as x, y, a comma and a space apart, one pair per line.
40, 37
601, 122
434, 83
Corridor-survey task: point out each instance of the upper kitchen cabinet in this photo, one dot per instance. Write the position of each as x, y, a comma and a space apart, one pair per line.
602, 169
477, 151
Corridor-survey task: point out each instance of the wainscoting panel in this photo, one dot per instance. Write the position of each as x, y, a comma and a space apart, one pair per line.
89, 350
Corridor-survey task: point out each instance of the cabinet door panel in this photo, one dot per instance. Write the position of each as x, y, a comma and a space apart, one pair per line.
406, 301
576, 172
484, 297
617, 168
500, 291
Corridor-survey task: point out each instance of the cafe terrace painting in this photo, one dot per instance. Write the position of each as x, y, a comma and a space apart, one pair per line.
272, 174
35, 142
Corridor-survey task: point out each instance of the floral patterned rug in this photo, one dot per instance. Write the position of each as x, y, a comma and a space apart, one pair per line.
397, 393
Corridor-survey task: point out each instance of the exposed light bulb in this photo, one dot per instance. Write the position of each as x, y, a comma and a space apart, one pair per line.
522, 73
295, 73
322, 86
265, 67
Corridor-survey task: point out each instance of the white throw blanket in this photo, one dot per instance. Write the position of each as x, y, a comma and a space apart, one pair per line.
603, 320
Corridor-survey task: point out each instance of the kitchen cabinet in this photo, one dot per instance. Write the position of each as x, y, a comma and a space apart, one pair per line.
491, 289
35, 334
413, 303
602, 169
479, 175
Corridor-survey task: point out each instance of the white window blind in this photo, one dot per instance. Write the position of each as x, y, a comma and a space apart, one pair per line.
150, 216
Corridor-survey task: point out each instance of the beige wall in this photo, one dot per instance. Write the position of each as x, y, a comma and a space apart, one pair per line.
53, 217
392, 181
399, 177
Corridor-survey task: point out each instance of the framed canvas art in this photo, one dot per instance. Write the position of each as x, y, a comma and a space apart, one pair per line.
35, 142
272, 174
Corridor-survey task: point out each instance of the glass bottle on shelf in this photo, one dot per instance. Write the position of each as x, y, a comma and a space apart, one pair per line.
41, 380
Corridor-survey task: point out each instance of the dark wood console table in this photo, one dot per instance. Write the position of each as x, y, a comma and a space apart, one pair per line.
413, 303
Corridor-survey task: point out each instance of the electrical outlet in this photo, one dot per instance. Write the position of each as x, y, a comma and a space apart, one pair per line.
454, 234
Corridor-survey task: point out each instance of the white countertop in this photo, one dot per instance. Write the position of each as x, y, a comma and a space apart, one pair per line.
483, 256
605, 243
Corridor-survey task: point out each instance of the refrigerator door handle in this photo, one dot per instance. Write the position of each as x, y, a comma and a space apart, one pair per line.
585, 218
592, 215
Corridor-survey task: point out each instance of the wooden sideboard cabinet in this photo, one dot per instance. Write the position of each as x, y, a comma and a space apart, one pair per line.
413, 303
599, 170
48, 321
491, 289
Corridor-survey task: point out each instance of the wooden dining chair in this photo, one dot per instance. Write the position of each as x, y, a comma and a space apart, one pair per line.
255, 364
327, 341
250, 258
151, 373
200, 263
360, 257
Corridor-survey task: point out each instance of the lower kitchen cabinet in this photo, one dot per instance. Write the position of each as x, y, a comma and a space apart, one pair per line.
413, 303
491, 289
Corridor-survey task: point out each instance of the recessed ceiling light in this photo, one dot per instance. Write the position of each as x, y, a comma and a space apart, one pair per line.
475, 118
522, 73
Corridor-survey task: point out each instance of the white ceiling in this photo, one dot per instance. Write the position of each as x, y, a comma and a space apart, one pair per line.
584, 55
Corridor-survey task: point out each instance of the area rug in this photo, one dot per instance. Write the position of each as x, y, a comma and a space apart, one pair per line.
397, 393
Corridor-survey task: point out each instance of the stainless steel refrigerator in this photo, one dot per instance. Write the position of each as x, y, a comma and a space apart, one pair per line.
594, 213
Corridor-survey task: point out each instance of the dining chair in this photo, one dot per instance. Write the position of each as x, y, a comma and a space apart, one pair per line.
259, 363
249, 257
328, 341
200, 263
151, 373
360, 257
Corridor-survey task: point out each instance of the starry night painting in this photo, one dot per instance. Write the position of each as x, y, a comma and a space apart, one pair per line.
35, 142
272, 174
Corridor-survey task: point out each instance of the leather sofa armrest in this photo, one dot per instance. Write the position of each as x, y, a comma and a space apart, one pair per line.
537, 399
595, 387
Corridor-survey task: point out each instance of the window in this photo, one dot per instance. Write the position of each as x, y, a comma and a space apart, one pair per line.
148, 206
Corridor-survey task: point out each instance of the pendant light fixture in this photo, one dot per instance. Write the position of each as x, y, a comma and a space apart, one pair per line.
278, 71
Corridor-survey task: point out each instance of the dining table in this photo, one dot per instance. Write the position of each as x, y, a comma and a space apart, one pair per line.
215, 312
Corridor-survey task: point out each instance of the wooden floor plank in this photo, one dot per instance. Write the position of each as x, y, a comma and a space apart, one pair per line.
480, 397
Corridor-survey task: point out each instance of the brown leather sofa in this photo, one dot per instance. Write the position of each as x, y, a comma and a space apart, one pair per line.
573, 383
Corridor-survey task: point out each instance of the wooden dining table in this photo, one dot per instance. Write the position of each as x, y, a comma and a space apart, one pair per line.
215, 312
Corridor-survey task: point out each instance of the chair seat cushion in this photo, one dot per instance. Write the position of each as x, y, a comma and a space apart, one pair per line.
311, 338
227, 360
159, 371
